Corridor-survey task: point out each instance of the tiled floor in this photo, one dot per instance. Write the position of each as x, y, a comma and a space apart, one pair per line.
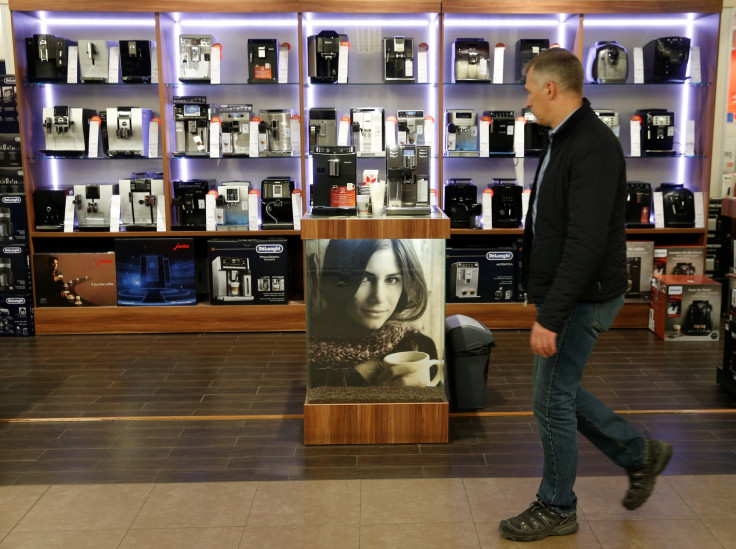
197, 441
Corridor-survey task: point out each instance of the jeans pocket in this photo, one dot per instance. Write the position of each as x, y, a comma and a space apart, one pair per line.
605, 313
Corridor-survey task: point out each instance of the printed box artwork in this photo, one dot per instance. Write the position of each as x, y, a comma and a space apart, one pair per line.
481, 275
155, 272
16, 316
13, 218
10, 150
639, 265
75, 279
679, 260
11, 179
686, 308
15, 269
249, 271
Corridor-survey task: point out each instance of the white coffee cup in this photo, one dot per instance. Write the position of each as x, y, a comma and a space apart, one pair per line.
235, 287
412, 369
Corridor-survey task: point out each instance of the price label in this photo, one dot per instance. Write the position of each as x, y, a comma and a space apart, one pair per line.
343, 131
296, 208
215, 60
519, 136
638, 65
254, 206
113, 65
342, 62
154, 64
690, 138
160, 213
153, 137
498, 55
115, 213
94, 136
635, 129
487, 204
253, 145
390, 129
658, 202
72, 59
296, 135
284, 63
429, 131
422, 64
210, 207
215, 125
484, 138
69, 214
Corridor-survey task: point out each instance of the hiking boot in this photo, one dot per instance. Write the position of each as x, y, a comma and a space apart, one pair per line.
642, 478
538, 522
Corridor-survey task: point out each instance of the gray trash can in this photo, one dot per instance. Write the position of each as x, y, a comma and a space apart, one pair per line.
468, 350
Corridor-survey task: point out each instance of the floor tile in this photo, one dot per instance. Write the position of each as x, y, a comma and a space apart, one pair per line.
303, 536
183, 538
70, 539
15, 501
490, 538
433, 535
707, 495
653, 534
494, 499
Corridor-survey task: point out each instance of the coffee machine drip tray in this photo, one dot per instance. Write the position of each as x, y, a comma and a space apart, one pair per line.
56, 152
409, 210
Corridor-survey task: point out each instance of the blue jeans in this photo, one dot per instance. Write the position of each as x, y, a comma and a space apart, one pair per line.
562, 407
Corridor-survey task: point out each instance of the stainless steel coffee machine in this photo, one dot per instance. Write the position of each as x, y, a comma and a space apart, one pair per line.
195, 53
276, 125
410, 127
192, 125
608, 62
398, 59
46, 58
189, 199
232, 279
135, 61
471, 61
657, 132
276, 212
92, 206
665, 59
235, 128
334, 178
322, 128
138, 200
324, 51
611, 119
66, 130
366, 125
407, 174
125, 131
232, 197
500, 132
464, 277
263, 61
462, 132
93, 60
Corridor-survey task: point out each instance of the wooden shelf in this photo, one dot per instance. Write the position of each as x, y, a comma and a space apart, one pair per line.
224, 6
583, 7
375, 6
435, 226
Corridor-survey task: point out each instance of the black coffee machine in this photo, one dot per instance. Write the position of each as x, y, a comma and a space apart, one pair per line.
535, 135
657, 132
501, 132
7, 280
322, 128
526, 50
398, 59
263, 60
135, 61
6, 224
679, 205
46, 58
633, 269
461, 203
48, 208
665, 59
276, 210
699, 318
506, 203
687, 269
189, 199
324, 51
334, 180
638, 205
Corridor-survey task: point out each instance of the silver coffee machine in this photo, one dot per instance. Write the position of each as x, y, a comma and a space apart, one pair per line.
232, 279
462, 132
322, 128
276, 125
367, 130
608, 62
232, 197
93, 60
92, 206
138, 200
192, 125
611, 119
66, 130
125, 131
410, 127
235, 128
195, 51
407, 172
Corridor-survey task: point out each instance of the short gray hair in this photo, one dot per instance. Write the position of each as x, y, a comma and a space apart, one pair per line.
560, 66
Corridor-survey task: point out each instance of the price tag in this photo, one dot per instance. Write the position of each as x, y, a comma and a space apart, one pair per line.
115, 213
253, 145
69, 214
215, 58
343, 131
342, 63
525, 196
113, 65
638, 66
699, 210
487, 204
153, 137
695, 73
154, 64
72, 60
390, 129
94, 136
519, 136
296, 208
422, 64
210, 207
658, 202
635, 130
498, 54
484, 137
429, 131
161, 213
432, 197
215, 125
296, 135
254, 206
284, 63
690, 138
519, 171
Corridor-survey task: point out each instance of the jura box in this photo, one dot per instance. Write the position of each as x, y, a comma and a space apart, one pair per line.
16, 316
685, 308
75, 279
639, 263
480, 275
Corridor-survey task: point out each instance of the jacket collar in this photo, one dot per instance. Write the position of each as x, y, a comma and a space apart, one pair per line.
572, 121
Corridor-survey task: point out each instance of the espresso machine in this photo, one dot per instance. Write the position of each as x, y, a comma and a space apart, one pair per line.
276, 124
138, 200
48, 209
324, 51
192, 125
633, 270
6, 225
66, 130
471, 61
46, 58
611, 119
501, 132
232, 279
195, 53
657, 132
93, 60
526, 50
665, 59
506, 203
462, 132
263, 61
232, 197
461, 203
135, 61
125, 131
698, 318
276, 210
366, 124
608, 62
638, 205
235, 128
398, 59
679, 205
7, 280
464, 277
334, 180
535, 135
92, 206
407, 174
189, 199
410, 127
322, 128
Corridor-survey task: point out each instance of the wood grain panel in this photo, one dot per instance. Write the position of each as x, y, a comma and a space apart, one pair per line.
728, 206
223, 6
383, 227
374, 6
589, 6
402, 423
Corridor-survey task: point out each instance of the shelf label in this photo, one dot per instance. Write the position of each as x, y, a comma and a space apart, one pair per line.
487, 203
525, 196
69, 214
254, 206
115, 213
690, 138
154, 64
296, 208
72, 60
429, 131
284, 63
699, 210
483, 136
635, 132
94, 136
432, 197
658, 202
254, 138
113, 66
153, 137
695, 73
343, 131
342, 63
422, 64
210, 210
498, 54
519, 136
296, 135
215, 58
638, 65
161, 213
519, 171
215, 138
390, 131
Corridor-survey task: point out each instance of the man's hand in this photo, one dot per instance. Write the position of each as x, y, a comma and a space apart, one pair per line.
543, 341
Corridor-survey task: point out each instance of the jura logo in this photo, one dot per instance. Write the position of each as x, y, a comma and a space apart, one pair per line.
11, 199
269, 248
499, 256
101, 261
12, 250
16, 301
181, 246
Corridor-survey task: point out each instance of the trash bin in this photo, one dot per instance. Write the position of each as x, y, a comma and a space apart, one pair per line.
468, 349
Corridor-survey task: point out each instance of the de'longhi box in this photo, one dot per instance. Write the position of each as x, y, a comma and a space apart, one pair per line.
15, 269
13, 217
481, 275
16, 316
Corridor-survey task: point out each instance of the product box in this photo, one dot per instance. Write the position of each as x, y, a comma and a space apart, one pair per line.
476, 275
639, 265
16, 316
75, 279
249, 271
10, 150
155, 271
686, 308
13, 218
9, 105
15, 269
726, 371
11, 179
679, 260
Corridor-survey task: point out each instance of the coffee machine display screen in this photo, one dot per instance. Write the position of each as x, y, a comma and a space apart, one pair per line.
191, 110
660, 120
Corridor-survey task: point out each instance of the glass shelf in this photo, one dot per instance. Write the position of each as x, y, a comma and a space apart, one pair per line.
92, 84
232, 157
230, 84
382, 84
506, 155
84, 157
599, 84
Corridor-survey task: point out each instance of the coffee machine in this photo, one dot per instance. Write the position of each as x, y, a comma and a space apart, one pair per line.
48, 209
324, 51
125, 131
526, 50
46, 58
506, 203
471, 60
398, 59
92, 206
334, 180
189, 199
501, 132
633, 270
138, 200
535, 135
232, 197
322, 128
6, 225
462, 132
665, 59
611, 119
679, 205
66, 130
407, 174
93, 60
232, 279
464, 277
638, 205
608, 62
461, 203
410, 127
657, 132
276, 124
367, 125
276, 210
235, 128
7, 280
192, 125
263, 61
698, 318
195, 52
135, 61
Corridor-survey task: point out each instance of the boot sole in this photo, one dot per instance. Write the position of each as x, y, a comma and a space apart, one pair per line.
565, 530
